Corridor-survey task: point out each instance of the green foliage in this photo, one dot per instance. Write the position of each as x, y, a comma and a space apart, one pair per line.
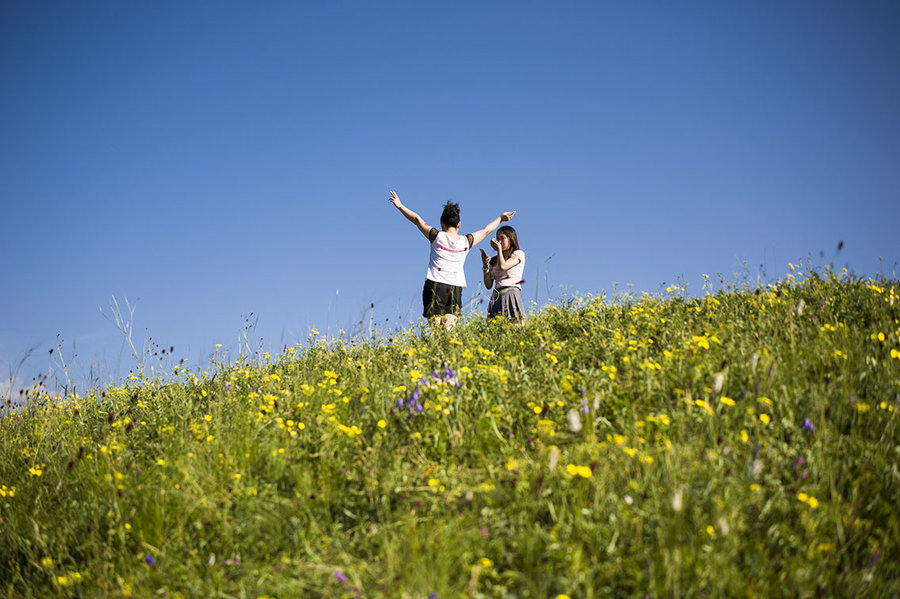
740, 444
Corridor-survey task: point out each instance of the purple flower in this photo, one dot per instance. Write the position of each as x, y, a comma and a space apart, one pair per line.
340, 576
584, 408
799, 462
448, 373
435, 374
416, 394
149, 559
419, 407
875, 557
400, 402
808, 425
423, 381
432, 595
483, 532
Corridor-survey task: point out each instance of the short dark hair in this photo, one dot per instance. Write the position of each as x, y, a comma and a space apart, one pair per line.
450, 215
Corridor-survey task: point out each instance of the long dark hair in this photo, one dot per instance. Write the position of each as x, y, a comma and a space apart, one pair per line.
513, 242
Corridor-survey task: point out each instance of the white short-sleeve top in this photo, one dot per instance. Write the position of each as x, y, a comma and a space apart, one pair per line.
447, 258
512, 277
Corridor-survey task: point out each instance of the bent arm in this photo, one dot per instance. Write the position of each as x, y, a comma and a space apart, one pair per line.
411, 216
507, 263
478, 236
486, 271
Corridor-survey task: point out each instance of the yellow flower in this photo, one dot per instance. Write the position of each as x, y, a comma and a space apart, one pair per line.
813, 502
552, 358
710, 530
35, 471
382, 424
161, 462
432, 482
755, 487
47, 562
744, 435
537, 409
582, 471
726, 400
486, 563
803, 497
764, 418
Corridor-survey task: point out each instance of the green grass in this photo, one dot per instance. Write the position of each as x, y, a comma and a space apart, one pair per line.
743, 444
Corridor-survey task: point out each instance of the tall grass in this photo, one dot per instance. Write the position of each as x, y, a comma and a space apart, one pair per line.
740, 444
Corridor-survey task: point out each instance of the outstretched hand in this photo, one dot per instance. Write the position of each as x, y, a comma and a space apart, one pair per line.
484, 257
505, 217
394, 199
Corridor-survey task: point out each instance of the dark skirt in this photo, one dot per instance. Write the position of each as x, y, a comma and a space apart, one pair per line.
440, 298
506, 301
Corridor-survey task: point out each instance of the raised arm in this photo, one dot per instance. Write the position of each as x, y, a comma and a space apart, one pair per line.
478, 236
411, 216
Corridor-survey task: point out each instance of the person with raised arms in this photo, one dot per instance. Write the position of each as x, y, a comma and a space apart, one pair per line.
445, 278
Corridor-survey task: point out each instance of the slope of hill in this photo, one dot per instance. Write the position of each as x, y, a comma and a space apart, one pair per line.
740, 444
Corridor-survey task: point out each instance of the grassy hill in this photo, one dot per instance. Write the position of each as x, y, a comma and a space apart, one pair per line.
740, 444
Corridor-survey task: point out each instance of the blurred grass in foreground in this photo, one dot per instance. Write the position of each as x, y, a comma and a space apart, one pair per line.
741, 444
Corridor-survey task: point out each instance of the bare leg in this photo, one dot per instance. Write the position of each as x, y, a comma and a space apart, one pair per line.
450, 321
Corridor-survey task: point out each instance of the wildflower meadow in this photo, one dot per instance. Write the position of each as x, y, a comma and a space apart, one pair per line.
740, 443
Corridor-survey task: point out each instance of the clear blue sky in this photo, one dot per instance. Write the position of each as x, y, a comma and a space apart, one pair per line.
213, 159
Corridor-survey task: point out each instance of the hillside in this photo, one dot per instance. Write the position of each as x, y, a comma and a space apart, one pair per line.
744, 443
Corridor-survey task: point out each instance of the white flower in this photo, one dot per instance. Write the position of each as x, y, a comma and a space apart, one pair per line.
717, 385
574, 420
757, 467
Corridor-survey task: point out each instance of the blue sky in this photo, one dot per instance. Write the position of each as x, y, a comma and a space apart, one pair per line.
209, 160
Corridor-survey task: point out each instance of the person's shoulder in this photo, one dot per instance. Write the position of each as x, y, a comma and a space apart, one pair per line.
519, 253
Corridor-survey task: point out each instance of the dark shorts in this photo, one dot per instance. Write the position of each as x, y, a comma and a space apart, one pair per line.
440, 299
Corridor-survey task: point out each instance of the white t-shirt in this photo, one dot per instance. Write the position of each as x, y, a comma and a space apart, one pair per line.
446, 260
513, 276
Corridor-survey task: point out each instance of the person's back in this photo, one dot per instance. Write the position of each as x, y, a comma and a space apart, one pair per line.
447, 259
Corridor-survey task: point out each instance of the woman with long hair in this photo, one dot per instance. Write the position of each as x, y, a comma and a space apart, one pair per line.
504, 272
